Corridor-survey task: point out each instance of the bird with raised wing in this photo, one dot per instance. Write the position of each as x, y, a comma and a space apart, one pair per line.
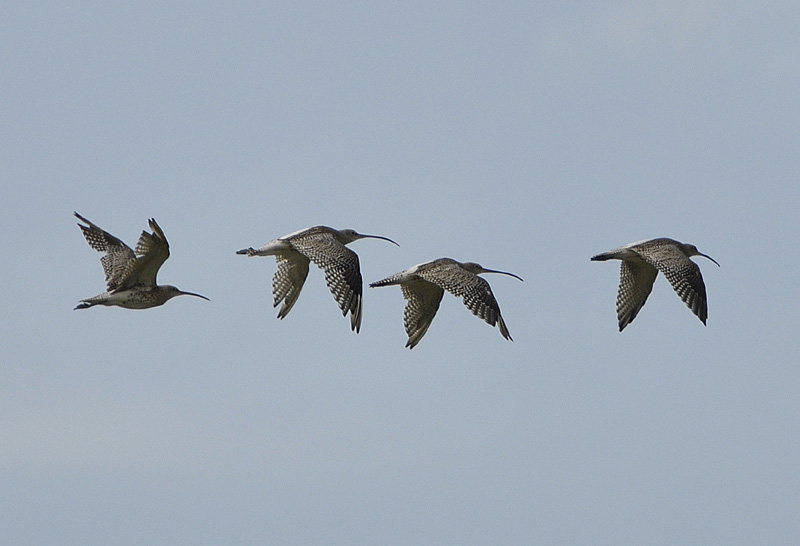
326, 248
130, 274
641, 262
423, 287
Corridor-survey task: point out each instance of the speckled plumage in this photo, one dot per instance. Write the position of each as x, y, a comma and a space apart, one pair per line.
641, 262
326, 248
130, 275
423, 287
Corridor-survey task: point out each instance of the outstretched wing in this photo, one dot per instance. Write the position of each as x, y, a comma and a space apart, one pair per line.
342, 271
636, 278
152, 251
288, 280
117, 255
422, 303
682, 273
475, 291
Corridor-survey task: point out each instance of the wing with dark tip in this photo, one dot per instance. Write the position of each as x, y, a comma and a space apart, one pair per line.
117, 255
341, 267
475, 291
636, 278
288, 280
683, 274
152, 251
422, 303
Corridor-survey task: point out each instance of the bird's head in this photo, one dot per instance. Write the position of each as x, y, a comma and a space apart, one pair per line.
349, 235
691, 250
172, 291
477, 269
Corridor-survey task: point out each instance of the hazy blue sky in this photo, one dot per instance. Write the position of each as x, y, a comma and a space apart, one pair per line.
524, 136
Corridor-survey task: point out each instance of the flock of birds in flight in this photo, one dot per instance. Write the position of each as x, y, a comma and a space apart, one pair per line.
131, 276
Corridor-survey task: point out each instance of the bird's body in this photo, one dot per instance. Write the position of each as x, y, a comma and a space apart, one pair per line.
641, 262
130, 275
134, 298
325, 247
423, 287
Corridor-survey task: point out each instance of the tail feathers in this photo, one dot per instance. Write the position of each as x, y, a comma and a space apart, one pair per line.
272, 248
100, 299
388, 281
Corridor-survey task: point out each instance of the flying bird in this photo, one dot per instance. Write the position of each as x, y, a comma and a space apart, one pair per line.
641, 262
423, 287
326, 248
130, 275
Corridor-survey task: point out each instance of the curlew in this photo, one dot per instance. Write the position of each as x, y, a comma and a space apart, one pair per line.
326, 248
130, 275
423, 287
641, 262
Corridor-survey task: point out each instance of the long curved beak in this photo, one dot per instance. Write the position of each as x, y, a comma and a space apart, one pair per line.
379, 237
709, 257
182, 293
502, 273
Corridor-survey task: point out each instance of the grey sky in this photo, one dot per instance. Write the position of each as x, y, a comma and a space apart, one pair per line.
523, 136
